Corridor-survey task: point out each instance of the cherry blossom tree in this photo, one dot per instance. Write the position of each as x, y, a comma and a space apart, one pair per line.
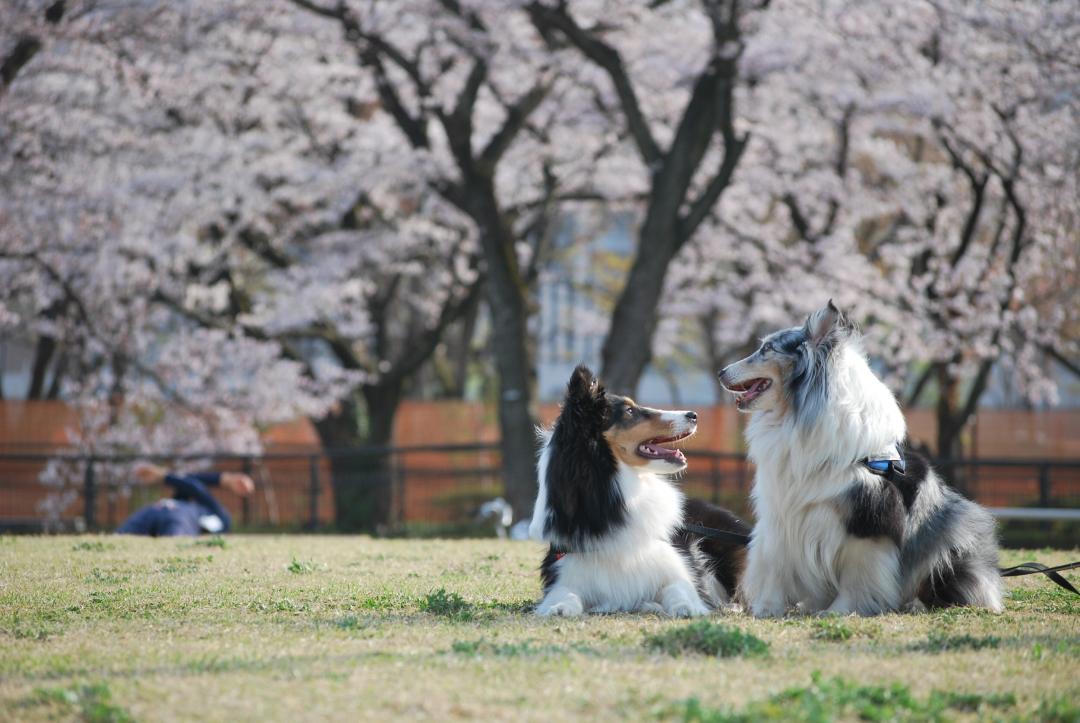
472, 85
223, 236
666, 76
242, 212
917, 162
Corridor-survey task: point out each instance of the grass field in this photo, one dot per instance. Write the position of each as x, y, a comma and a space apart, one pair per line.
303, 628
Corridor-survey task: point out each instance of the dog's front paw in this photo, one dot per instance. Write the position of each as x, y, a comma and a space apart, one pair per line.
653, 608
680, 600
730, 608
686, 609
767, 609
568, 605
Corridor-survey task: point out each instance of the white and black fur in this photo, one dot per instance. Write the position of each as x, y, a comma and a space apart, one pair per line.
831, 535
613, 520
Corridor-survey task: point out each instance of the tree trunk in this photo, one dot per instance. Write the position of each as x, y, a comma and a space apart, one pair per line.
361, 470
949, 442
43, 354
58, 377
507, 299
628, 346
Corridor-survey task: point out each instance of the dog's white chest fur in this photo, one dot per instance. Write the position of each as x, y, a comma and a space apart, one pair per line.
800, 549
635, 568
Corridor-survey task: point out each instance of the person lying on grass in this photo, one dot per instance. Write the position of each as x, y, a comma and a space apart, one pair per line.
191, 510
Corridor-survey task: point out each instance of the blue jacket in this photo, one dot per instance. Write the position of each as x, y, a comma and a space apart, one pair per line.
189, 512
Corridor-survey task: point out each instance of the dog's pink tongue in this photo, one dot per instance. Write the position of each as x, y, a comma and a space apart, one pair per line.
653, 450
755, 390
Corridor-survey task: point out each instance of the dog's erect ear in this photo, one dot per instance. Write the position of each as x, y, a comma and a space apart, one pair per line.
585, 408
821, 324
582, 385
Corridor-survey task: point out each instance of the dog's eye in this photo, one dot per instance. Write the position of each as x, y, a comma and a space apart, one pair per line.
766, 348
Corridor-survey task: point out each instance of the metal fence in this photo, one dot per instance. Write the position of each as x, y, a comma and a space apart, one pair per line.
433, 487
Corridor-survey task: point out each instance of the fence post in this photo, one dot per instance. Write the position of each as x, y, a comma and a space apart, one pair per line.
714, 468
741, 475
402, 492
90, 496
245, 502
1044, 485
313, 492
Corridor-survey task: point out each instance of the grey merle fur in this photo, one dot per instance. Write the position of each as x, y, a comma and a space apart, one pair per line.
956, 532
947, 544
808, 350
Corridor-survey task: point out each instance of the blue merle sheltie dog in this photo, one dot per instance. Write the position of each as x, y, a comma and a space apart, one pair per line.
614, 519
848, 519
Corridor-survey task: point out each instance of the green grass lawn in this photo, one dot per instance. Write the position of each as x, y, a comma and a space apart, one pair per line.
302, 628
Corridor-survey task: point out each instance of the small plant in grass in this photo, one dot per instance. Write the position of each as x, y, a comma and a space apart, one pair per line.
215, 541
301, 567
507, 650
839, 699
92, 702
37, 632
970, 702
832, 629
1046, 599
93, 546
350, 622
467, 647
175, 565
707, 638
108, 577
446, 604
385, 602
517, 607
513, 650
938, 642
1058, 710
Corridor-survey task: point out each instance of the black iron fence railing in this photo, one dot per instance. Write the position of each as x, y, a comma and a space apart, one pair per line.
422, 486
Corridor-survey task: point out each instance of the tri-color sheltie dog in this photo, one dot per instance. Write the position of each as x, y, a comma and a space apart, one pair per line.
613, 517
848, 520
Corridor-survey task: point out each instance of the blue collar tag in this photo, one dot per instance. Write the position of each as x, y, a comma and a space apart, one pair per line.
889, 463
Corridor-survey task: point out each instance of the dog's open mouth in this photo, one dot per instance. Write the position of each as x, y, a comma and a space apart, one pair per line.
749, 390
654, 449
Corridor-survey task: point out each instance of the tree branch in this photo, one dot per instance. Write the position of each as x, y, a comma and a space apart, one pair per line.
1061, 359
978, 193
458, 124
369, 50
547, 19
420, 349
920, 386
516, 117
702, 205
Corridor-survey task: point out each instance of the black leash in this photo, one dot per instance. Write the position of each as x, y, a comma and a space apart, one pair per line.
1024, 568
1035, 568
736, 537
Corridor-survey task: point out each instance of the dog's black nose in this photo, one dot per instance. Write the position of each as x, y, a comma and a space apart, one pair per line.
692, 416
